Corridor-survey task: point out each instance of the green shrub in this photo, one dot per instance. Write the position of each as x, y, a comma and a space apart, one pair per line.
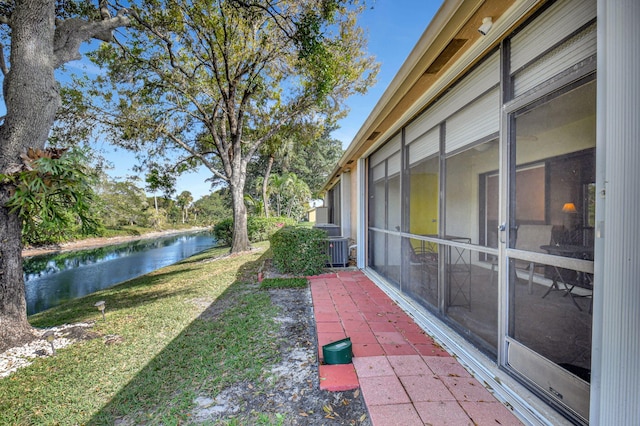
262, 228
223, 231
299, 251
258, 228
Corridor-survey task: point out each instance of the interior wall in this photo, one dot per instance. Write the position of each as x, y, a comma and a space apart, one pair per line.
462, 191
424, 204
574, 136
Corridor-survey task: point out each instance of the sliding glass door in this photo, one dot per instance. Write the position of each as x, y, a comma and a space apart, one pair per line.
550, 235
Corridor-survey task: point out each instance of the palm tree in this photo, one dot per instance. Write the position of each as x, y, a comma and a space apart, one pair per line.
256, 203
184, 202
278, 186
298, 194
290, 194
279, 146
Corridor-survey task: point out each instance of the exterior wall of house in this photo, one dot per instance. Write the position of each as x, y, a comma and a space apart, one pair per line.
346, 194
460, 193
615, 391
353, 199
456, 171
311, 215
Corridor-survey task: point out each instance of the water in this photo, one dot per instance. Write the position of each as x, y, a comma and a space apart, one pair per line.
51, 280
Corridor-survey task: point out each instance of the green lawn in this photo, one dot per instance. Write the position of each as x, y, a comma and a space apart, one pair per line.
185, 330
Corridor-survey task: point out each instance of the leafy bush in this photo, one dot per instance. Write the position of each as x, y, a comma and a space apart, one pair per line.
53, 196
223, 231
299, 251
262, 228
258, 228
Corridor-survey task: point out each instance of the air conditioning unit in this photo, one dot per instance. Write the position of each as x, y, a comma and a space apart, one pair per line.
331, 229
338, 250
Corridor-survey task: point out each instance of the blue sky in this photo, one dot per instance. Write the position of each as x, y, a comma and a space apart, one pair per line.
393, 27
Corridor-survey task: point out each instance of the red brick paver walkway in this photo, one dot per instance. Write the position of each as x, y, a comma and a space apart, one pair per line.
405, 377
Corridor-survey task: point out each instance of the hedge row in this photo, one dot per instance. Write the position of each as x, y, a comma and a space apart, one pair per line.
258, 228
299, 251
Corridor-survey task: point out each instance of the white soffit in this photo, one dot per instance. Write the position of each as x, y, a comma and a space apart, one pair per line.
500, 27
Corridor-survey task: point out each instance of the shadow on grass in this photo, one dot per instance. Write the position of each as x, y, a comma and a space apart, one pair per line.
229, 342
121, 296
128, 294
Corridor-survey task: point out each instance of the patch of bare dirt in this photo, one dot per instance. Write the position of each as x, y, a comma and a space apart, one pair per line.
291, 395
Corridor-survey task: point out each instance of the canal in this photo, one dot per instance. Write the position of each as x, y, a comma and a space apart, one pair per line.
51, 280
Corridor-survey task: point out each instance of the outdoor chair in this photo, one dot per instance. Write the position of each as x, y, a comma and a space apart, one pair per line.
528, 238
425, 255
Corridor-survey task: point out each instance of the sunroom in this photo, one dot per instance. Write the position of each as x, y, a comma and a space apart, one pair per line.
472, 191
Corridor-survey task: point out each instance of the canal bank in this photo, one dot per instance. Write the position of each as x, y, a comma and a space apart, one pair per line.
54, 278
91, 243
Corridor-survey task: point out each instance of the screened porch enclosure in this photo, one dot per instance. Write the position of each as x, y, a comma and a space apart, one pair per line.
450, 266
462, 212
487, 205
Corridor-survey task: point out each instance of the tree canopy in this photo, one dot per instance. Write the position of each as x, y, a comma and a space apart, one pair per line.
209, 82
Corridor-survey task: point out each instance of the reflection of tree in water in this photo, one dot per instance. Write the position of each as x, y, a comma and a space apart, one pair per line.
37, 266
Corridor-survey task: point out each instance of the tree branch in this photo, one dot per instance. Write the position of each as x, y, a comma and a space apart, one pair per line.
3, 64
194, 154
72, 32
168, 43
271, 11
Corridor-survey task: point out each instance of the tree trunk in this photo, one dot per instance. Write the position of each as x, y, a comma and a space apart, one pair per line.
30, 88
240, 241
14, 327
31, 97
278, 204
265, 185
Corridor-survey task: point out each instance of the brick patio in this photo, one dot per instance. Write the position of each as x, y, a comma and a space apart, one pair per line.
406, 378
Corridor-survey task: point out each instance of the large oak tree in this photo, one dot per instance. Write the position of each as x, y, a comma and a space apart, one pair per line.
209, 82
38, 37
